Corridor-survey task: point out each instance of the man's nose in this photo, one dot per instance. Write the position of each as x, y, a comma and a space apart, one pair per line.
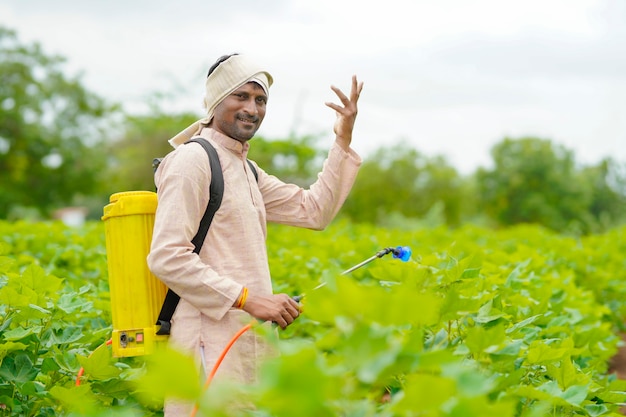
251, 108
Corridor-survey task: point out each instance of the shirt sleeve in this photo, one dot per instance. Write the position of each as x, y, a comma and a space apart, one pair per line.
316, 207
182, 181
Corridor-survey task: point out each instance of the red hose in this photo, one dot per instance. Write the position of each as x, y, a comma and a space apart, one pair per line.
220, 359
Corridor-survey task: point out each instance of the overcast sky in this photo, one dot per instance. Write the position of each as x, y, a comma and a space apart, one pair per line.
446, 77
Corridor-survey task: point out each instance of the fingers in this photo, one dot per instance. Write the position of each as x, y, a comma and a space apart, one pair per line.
349, 104
355, 91
357, 87
278, 308
289, 311
340, 94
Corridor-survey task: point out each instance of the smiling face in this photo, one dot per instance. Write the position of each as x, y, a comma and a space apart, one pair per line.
240, 114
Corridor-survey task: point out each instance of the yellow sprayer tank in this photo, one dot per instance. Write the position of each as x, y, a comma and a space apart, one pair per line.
136, 294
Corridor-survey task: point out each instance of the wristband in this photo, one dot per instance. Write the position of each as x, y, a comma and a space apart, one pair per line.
242, 298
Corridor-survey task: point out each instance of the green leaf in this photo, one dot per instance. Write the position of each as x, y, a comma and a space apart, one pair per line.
540, 352
6, 263
10, 296
32, 388
7, 347
37, 312
595, 410
523, 323
512, 348
471, 382
63, 336
167, 365
74, 303
113, 388
487, 313
613, 395
100, 364
566, 374
480, 339
67, 360
78, 398
20, 333
515, 277
456, 305
482, 407
49, 365
18, 369
471, 273
35, 278
573, 395
369, 352
425, 393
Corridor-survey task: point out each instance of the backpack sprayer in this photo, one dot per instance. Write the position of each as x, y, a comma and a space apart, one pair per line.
136, 294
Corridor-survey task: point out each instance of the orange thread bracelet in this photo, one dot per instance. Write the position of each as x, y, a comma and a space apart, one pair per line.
242, 299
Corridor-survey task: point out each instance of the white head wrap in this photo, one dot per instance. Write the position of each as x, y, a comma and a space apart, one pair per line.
226, 78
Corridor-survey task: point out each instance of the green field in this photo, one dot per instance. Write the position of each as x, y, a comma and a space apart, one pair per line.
480, 322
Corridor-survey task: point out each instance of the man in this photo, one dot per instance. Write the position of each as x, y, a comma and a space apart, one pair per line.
228, 283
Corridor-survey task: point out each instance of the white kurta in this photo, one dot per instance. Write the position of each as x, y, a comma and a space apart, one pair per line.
234, 253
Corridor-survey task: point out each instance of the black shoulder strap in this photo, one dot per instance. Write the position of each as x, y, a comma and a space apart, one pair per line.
216, 191
251, 165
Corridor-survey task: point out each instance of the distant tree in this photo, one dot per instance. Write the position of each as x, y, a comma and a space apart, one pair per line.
535, 181
144, 138
607, 182
51, 130
401, 181
296, 159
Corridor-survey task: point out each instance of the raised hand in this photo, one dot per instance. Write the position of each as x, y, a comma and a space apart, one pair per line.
346, 114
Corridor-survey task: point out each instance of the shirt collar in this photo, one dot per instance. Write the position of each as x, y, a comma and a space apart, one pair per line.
227, 142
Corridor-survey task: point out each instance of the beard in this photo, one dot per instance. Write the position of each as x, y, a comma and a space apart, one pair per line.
242, 128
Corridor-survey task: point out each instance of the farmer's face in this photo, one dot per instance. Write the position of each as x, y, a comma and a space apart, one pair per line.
240, 114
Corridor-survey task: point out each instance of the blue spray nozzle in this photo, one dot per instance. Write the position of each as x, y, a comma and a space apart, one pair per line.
402, 252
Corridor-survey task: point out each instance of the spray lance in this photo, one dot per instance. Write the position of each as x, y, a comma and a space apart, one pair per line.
400, 252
